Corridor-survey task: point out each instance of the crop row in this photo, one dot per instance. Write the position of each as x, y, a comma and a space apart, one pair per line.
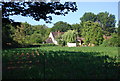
57, 64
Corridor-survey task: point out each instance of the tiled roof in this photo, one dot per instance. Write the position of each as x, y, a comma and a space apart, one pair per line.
57, 33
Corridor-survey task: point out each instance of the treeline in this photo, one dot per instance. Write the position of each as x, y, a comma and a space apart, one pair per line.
92, 27
106, 20
23, 34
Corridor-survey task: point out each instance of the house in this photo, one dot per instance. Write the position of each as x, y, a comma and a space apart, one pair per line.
53, 35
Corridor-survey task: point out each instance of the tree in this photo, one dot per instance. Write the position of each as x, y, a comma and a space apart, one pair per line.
29, 35
36, 38
24, 34
92, 32
112, 42
8, 30
70, 36
37, 10
77, 27
40, 31
89, 16
61, 26
60, 40
6, 34
20, 34
107, 22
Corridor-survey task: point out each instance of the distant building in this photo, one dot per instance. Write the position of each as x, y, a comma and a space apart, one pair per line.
53, 35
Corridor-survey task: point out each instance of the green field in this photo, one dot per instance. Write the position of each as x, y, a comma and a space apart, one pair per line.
55, 62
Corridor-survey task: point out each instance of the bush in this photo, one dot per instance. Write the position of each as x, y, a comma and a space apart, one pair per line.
61, 42
113, 42
70, 36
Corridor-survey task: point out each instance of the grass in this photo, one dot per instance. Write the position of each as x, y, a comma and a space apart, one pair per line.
55, 62
111, 51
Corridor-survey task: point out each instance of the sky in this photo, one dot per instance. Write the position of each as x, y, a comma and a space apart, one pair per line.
91, 0
74, 17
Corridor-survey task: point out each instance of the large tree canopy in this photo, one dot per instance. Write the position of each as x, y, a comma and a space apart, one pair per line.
77, 27
61, 26
106, 20
70, 36
25, 34
37, 10
88, 16
92, 32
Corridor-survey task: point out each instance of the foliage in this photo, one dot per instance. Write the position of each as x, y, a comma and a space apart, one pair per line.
113, 42
6, 33
92, 33
47, 44
60, 40
70, 36
89, 16
61, 26
13, 32
36, 38
40, 33
106, 20
27, 34
8, 30
54, 62
21, 34
78, 28
37, 10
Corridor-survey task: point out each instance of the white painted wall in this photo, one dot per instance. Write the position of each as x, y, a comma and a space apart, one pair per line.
54, 41
80, 44
71, 44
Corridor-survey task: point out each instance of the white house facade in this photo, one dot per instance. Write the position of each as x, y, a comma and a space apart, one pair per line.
53, 39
